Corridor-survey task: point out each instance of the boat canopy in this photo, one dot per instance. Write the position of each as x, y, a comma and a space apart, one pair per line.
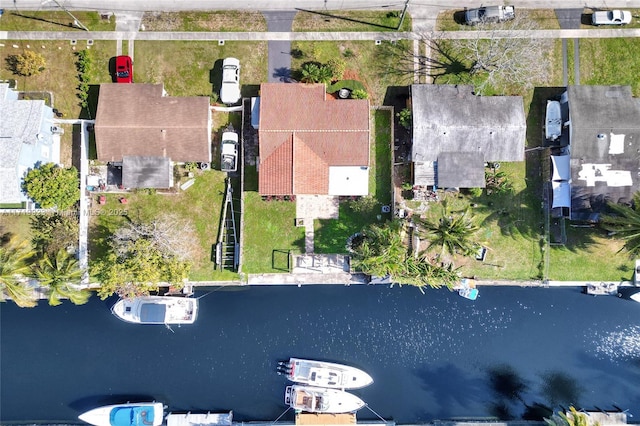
561, 167
153, 313
131, 416
561, 194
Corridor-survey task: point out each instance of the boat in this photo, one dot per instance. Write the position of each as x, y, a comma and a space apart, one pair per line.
129, 414
200, 419
553, 121
157, 310
324, 374
635, 297
467, 289
321, 400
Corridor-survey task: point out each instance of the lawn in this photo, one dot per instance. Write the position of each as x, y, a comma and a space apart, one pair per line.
27, 20
364, 61
17, 225
610, 61
198, 72
213, 21
200, 205
350, 20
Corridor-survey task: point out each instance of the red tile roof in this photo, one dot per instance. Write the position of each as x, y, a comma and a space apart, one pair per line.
302, 134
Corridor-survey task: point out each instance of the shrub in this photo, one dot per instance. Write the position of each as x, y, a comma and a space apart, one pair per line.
27, 64
348, 53
404, 117
50, 185
337, 67
359, 94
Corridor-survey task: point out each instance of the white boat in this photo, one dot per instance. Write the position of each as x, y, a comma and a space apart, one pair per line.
130, 414
635, 297
467, 289
321, 400
324, 374
157, 310
553, 121
200, 419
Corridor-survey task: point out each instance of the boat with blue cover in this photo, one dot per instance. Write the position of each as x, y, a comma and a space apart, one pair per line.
129, 414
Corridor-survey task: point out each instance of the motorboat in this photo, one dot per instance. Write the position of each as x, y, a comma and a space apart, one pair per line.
324, 374
553, 121
157, 310
467, 289
129, 414
321, 400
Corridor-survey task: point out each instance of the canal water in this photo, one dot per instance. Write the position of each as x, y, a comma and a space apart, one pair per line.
432, 356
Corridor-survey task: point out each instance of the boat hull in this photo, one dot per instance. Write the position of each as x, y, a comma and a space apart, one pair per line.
325, 374
553, 121
157, 310
321, 400
136, 414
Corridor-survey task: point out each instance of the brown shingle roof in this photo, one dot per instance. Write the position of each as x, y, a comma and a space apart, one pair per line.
322, 133
137, 120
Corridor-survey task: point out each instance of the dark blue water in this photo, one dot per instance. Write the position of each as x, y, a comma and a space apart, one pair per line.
432, 356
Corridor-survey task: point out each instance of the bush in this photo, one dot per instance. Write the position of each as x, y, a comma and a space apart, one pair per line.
27, 64
337, 67
404, 117
348, 53
50, 185
359, 94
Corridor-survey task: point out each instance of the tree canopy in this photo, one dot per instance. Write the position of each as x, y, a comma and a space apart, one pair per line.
380, 251
50, 185
27, 63
624, 222
51, 233
61, 274
15, 261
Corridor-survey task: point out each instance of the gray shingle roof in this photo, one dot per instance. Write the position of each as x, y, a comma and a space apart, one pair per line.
451, 118
146, 172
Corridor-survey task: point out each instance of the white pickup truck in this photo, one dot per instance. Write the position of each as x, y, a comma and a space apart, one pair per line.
229, 152
611, 17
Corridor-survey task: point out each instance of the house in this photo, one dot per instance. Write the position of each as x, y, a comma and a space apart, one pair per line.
26, 138
140, 123
311, 143
604, 147
455, 132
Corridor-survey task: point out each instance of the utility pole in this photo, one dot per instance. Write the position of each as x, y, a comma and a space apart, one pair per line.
76, 22
404, 11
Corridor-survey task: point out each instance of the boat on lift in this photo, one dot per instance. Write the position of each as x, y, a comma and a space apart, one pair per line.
321, 400
324, 374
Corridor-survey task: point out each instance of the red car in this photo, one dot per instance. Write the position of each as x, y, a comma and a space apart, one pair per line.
124, 69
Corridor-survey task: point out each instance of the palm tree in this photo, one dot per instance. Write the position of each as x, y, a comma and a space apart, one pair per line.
572, 418
60, 274
14, 268
625, 224
453, 231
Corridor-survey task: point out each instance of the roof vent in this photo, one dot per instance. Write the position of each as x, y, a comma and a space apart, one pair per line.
601, 136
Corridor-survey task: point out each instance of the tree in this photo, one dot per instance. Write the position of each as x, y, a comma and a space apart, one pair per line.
624, 223
54, 232
380, 251
15, 261
573, 418
50, 185
501, 58
315, 72
143, 254
359, 94
497, 59
27, 63
452, 231
61, 274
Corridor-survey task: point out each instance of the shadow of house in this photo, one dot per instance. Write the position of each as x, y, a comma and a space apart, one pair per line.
455, 132
604, 129
143, 130
27, 137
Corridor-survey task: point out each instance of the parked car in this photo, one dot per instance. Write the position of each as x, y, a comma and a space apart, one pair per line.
611, 17
124, 69
229, 152
489, 14
230, 88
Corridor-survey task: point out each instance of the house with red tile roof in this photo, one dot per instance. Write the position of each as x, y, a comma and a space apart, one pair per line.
311, 143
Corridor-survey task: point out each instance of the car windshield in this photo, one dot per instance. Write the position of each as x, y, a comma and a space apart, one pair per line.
123, 73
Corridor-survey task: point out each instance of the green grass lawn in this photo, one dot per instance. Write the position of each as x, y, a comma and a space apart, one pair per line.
610, 61
364, 60
27, 20
351, 20
18, 225
214, 21
545, 19
201, 205
198, 72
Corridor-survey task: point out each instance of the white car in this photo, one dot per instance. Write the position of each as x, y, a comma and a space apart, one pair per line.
230, 88
611, 17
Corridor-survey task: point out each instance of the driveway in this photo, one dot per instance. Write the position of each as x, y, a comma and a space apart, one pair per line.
279, 51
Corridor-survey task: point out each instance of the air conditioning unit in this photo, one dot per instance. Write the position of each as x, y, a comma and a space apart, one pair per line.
57, 130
